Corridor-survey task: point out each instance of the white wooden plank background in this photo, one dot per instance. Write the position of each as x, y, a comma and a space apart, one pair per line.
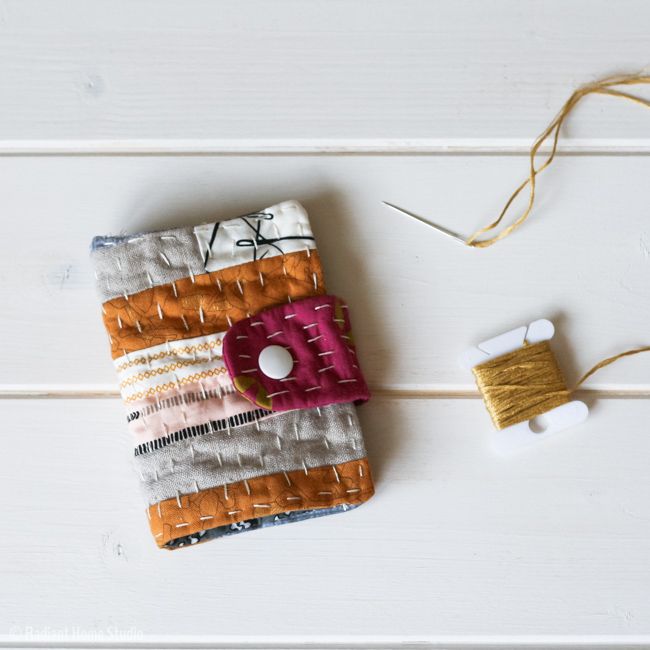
130, 115
201, 75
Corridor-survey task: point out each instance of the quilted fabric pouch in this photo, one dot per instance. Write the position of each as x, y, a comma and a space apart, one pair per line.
239, 374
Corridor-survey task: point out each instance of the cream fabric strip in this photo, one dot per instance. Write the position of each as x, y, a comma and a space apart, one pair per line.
161, 368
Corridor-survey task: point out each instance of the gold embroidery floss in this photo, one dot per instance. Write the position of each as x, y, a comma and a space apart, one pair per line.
523, 387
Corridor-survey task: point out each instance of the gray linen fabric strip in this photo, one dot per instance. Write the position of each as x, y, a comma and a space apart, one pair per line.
288, 441
128, 265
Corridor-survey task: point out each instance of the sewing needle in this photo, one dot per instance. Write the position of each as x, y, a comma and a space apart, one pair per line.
435, 226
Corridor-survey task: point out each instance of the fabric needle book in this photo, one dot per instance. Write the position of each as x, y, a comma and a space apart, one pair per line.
239, 374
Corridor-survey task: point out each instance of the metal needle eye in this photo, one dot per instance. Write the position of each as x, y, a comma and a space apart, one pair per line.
435, 226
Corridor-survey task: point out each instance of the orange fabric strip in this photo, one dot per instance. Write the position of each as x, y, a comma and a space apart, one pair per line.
208, 303
321, 487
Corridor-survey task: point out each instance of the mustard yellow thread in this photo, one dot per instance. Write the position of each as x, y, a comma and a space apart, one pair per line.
522, 384
601, 87
527, 382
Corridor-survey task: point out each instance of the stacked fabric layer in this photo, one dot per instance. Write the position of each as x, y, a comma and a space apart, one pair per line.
223, 445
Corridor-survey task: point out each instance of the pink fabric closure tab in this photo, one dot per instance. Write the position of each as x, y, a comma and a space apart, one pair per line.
316, 333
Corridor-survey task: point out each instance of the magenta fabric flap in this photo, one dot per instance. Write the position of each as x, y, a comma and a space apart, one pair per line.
321, 366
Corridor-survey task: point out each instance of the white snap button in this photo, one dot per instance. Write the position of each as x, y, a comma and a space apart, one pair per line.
275, 362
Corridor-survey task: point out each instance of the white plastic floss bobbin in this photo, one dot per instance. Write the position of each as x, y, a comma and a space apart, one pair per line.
524, 434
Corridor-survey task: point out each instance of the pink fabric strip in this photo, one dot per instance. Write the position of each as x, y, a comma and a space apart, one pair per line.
188, 406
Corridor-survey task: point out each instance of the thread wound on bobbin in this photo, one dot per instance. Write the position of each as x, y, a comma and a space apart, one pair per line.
521, 385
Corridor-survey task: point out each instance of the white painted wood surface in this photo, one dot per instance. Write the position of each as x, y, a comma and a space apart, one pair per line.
339, 105
200, 75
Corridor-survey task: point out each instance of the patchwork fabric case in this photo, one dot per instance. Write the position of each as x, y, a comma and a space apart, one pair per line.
239, 374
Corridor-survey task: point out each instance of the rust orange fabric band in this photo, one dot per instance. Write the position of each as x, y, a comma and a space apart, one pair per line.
323, 487
210, 302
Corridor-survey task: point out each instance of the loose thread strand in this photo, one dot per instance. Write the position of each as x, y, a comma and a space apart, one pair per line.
608, 361
602, 87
